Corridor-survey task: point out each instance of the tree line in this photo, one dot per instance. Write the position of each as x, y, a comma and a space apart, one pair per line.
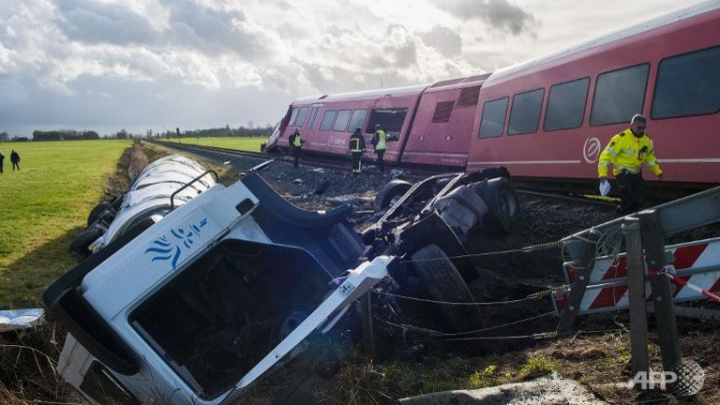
69, 135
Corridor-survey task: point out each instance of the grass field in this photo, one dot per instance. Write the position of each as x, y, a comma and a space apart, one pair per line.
43, 207
240, 143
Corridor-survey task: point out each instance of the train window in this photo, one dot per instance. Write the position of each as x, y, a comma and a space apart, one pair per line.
357, 120
327, 120
342, 120
688, 84
619, 95
525, 112
493, 118
313, 116
301, 117
391, 120
293, 116
566, 105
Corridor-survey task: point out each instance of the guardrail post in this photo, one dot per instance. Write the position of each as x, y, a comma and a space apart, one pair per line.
368, 332
636, 296
663, 300
577, 290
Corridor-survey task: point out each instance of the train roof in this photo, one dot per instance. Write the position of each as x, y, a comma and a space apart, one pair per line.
605, 39
396, 91
361, 95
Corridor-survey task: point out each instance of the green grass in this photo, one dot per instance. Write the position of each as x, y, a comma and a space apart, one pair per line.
538, 365
43, 207
251, 144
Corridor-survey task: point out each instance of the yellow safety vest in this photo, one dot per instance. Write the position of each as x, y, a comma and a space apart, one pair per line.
381, 139
297, 142
627, 152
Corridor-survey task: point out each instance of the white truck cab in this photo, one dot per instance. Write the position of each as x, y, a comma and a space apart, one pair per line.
195, 307
236, 281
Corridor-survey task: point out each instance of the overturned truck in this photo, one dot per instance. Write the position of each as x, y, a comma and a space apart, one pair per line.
238, 282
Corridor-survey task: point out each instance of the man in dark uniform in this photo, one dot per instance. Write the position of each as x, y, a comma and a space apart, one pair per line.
356, 147
15, 160
296, 143
2, 161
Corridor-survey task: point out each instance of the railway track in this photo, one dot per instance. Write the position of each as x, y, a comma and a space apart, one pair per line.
329, 163
534, 190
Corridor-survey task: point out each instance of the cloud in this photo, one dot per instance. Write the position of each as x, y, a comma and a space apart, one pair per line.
213, 32
445, 40
97, 23
498, 14
399, 49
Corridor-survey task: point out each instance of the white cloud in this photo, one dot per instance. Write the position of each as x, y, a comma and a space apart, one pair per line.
145, 61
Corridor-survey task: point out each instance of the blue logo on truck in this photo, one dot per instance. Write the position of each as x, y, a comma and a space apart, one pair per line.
169, 247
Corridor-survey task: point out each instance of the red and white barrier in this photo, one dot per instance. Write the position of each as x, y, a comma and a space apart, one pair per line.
696, 275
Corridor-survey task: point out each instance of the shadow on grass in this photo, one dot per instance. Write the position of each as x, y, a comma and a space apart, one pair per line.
24, 281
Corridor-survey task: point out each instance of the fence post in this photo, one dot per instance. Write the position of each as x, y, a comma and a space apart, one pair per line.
636, 296
663, 300
577, 290
368, 331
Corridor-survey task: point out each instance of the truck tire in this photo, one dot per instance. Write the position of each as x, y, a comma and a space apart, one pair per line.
81, 243
444, 283
96, 212
499, 194
388, 192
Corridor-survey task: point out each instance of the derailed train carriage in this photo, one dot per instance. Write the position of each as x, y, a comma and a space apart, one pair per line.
549, 118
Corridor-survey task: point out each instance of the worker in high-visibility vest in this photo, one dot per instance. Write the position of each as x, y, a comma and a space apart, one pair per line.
296, 143
356, 147
628, 151
380, 144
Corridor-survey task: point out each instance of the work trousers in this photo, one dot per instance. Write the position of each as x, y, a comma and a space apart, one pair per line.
632, 192
381, 164
356, 162
295, 151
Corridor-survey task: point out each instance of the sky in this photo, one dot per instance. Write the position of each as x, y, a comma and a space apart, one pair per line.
157, 65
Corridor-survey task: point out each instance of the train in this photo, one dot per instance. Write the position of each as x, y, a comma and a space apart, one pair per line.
548, 118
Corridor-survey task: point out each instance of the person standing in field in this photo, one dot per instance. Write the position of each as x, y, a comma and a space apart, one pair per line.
2, 161
15, 160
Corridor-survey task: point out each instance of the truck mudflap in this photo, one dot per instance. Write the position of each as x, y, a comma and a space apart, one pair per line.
697, 263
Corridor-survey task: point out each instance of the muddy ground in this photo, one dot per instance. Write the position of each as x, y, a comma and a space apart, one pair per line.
597, 355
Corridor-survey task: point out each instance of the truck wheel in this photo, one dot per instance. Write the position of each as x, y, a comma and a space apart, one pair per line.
95, 213
499, 194
390, 191
287, 321
82, 242
444, 283
507, 204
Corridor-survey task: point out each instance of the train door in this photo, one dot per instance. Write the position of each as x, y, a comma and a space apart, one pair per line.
418, 146
391, 120
309, 130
